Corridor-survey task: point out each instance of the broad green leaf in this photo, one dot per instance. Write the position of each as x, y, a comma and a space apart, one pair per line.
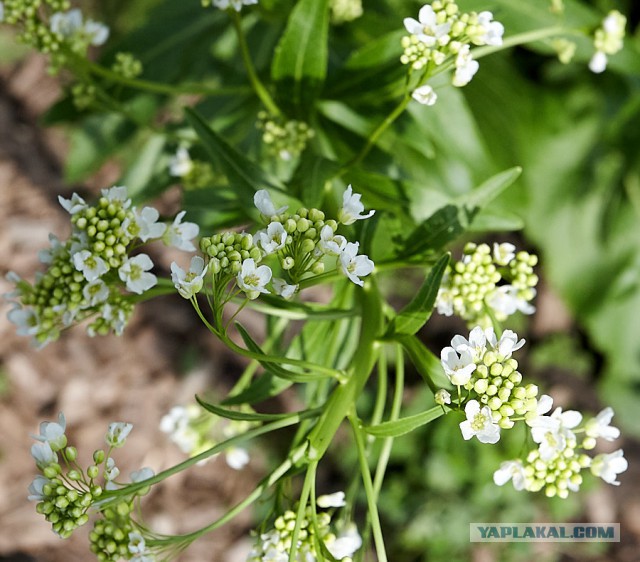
490, 189
253, 416
413, 316
300, 60
491, 219
403, 426
243, 174
140, 174
264, 387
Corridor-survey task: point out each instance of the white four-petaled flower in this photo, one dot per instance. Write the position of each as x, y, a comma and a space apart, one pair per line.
600, 426
135, 274
330, 243
553, 432
493, 30
466, 67
283, 289
146, 226
92, 267
352, 208
180, 164
479, 423
117, 433
353, 265
262, 201
253, 280
609, 466
458, 366
189, 283
73, 205
53, 433
425, 95
337, 499
179, 234
511, 470
272, 239
426, 28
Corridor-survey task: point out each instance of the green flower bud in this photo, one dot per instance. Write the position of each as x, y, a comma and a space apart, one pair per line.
317, 268
307, 246
287, 263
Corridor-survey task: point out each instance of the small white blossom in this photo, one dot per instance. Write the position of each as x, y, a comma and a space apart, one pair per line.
444, 301
235, 4
134, 273
505, 300
600, 426
236, 457
73, 205
352, 208
283, 289
117, 194
137, 543
36, 488
353, 265
179, 234
539, 419
48, 255
143, 474
117, 433
346, 543
253, 280
180, 164
146, 226
336, 499
92, 267
189, 283
262, 201
493, 30
96, 292
609, 466
442, 397
479, 423
330, 243
477, 343
25, 320
66, 24
43, 454
509, 343
53, 433
97, 32
272, 239
553, 433
511, 470
111, 472
466, 67
426, 28
503, 253
425, 95
598, 62
457, 367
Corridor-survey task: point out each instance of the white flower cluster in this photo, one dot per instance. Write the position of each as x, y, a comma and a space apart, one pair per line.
556, 465
607, 40
442, 33
195, 431
502, 281
80, 279
70, 26
64, 491
343, 11
229, 4
275, 544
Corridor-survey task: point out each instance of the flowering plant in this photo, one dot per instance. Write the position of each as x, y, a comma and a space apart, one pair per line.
317, 183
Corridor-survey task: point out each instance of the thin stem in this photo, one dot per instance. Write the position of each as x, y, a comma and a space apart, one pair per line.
368, 489
258, 86
309, 483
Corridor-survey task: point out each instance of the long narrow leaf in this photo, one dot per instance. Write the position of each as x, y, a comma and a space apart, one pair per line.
253, 416
403, 426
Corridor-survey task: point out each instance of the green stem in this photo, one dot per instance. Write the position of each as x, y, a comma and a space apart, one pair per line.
368, 489
309, 483
258, 86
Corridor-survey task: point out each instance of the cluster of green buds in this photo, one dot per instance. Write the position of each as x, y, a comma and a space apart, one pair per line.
65, 491
51, 27
314, 536
607, 40
496, 398
109, 539
284, 139
193, 174
485, 284
299, 241
344, 11
443, 33
88, 274
127, 65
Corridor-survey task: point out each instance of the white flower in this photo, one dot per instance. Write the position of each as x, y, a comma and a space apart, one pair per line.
236, 457
53, 433
143, 474
354, 266
493, 30
283, 289
336, 499
189, 284
458, 368
466, 67
179, 234
111, 472
505, 300
66, 24
598, 62
352, 207
43, 455
134, 273
25, 319
47, 255
253, 280
508, 343
180, 164
479, 423
117, 194
425, 95
92, 267
511, 470
117, 433
73, 205
346, 543
539, 419
98, 33
553, 433
609, 466
235, 4
503, 253
599, 426
426, 29
146, 225
476, 345
262, 201
272, 239
36, 488
95, 292
442, 397
330, 243
444, 301
143, 558
137, 543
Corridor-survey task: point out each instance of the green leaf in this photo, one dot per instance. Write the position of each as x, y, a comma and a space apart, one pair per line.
253, 416
490, 189
246, 176
264, 387
425, 362
403, 426
413, 316
300, 60
272, 367
496, 220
